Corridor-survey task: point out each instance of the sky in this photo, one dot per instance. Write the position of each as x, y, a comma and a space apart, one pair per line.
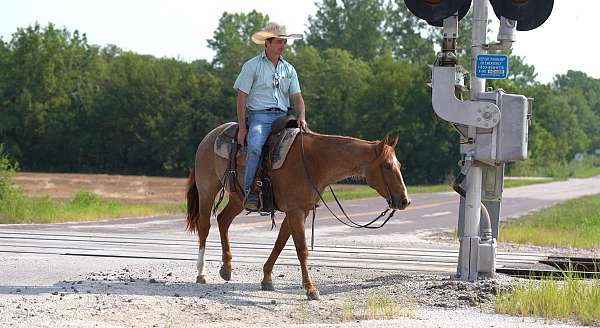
180, 28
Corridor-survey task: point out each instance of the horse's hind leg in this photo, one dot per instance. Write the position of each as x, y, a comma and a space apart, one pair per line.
207, 190
203, 229
224, 219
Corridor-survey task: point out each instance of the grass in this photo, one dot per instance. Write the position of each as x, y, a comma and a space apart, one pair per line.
576, 223
303, 313
347, 312
588, 167
511, 183
377, 307
550, 299
17, 208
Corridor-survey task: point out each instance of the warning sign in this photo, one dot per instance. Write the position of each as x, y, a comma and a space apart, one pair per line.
492, 66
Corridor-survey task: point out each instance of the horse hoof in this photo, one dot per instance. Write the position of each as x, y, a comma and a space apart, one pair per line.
226, 275
202, 279
313, 296
267, 286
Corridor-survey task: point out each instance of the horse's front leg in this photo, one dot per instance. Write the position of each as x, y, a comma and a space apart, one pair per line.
296, 223
282, 238
224, 219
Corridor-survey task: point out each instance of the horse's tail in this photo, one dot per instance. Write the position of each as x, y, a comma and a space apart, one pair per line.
193, 203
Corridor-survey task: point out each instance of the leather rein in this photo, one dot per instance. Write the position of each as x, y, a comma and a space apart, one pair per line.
352, 224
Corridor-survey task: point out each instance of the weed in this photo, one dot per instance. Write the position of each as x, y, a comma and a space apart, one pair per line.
347, 311
572, 298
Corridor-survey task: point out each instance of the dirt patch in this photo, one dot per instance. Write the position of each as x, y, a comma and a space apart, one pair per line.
139, 189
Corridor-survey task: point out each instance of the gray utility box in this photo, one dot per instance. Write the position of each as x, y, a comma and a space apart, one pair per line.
506, 141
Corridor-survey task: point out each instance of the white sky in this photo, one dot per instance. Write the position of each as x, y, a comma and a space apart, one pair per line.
180, 28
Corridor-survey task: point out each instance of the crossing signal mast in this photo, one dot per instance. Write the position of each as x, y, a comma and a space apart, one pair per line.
493, 125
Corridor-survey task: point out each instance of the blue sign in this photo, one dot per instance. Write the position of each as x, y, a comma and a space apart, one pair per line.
492, 66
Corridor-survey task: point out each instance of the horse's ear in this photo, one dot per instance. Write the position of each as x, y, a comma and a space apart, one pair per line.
394, 142
385, 140
381, 145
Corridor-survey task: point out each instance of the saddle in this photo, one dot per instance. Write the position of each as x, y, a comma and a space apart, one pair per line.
274, 152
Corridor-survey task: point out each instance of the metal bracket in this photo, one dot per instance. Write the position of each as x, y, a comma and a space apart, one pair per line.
480, 114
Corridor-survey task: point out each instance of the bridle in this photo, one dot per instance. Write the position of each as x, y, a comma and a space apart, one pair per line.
352, 224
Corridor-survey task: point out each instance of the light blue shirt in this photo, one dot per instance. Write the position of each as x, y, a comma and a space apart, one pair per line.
267, 86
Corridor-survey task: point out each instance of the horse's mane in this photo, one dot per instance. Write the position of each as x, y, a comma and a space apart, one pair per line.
387, 150
341, 139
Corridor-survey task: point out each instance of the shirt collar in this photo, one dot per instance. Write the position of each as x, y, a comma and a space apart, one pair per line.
263, 54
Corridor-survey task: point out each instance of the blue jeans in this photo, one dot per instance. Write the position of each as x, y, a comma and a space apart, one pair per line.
260, 124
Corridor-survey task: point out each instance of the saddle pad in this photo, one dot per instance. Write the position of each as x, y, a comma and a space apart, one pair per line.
279, 153
284, 141
223, 142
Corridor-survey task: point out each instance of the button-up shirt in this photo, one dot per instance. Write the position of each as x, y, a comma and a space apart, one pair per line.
267, 86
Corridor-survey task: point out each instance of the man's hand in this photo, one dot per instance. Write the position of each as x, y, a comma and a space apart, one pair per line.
302, 124
241, 136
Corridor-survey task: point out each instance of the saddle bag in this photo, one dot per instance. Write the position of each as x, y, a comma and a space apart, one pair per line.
267, 202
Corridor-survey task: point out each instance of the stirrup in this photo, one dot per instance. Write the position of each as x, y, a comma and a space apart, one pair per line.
251, 206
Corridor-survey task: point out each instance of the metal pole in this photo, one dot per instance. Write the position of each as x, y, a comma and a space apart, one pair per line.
479, 33
469, 243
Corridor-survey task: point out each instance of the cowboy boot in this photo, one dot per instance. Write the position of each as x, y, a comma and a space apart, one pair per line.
251, 200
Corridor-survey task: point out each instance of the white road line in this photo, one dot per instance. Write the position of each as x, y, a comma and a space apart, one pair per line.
436, 214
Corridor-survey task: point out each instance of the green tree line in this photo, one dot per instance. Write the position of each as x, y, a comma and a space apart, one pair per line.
67, 105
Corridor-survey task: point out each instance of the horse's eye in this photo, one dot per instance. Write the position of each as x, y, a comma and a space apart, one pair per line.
387, 166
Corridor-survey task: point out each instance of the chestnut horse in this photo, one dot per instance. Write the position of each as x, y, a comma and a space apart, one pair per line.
328, 159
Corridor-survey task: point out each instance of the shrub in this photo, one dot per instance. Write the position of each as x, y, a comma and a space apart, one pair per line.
7, 172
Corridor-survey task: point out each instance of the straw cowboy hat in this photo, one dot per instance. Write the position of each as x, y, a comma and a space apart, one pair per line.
273, 30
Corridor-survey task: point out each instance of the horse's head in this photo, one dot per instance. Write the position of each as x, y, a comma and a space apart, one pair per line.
385, 177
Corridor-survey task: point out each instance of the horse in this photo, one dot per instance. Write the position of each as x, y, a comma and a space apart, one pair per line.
325, 159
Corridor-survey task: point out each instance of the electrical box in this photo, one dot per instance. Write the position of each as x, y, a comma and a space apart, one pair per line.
506, 141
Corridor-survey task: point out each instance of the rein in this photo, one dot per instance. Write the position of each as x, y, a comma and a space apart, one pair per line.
352, 224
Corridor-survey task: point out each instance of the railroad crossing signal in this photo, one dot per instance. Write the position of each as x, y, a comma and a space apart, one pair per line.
493, 124
529, 14
435, 11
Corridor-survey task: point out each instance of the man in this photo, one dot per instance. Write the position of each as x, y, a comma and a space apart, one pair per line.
264, 87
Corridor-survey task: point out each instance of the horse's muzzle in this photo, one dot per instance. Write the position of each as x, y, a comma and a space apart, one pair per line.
400, 202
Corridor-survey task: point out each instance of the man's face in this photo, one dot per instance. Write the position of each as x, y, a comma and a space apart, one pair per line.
276, 46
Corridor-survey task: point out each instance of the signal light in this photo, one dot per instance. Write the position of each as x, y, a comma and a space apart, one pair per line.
529, 14
435, 11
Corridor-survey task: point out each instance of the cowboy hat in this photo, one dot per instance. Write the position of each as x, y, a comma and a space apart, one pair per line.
273, 30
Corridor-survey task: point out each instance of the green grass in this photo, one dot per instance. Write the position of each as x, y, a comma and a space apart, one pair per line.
588, 167
17, 208
511, 183
576, 223
565, 300
378, 306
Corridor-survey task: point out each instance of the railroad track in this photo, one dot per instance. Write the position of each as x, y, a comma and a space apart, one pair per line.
184, 248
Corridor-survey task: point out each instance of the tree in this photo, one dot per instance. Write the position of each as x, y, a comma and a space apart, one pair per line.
353, 25
231, 41
404, 34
